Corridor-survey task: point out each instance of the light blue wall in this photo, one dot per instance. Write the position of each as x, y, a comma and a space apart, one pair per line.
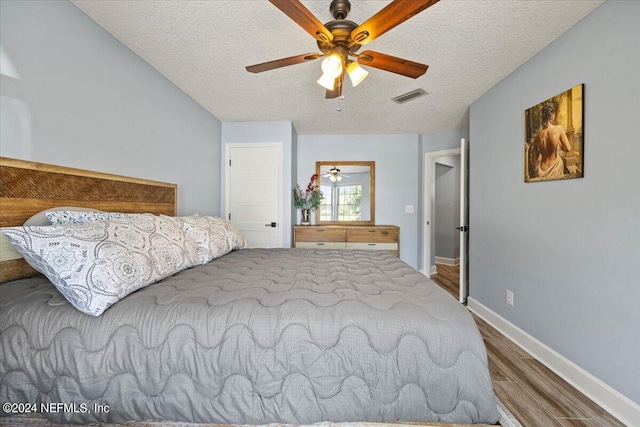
284, 132
568, 249
73, 95
446, 209
443, 140
396, 157
294, 176
443, 220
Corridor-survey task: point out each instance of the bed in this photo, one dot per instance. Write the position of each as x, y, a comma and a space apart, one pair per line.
257, 336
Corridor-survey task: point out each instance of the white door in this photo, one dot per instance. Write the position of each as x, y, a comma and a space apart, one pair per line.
253, 192
464, 220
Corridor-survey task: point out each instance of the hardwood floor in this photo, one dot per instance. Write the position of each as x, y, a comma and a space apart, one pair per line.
534, 394
448, 277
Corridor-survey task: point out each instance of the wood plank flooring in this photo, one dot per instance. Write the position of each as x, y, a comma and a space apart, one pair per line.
534, 394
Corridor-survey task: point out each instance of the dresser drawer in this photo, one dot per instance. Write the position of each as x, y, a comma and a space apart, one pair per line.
321, 245
317, 234
374, 238
374, 246
372, 235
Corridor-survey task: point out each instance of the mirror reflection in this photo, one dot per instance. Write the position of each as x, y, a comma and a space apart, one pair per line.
348, 192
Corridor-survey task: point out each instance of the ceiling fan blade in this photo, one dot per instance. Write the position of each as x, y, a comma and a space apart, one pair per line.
284, 62
337, 90
393, 64
391, 16
301, 15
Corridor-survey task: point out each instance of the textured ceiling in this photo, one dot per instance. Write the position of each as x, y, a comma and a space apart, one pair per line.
203, 47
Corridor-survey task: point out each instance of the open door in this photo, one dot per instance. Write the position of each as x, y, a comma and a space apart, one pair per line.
464, 220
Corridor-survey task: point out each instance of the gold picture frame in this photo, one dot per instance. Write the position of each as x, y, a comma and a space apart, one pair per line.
554, 137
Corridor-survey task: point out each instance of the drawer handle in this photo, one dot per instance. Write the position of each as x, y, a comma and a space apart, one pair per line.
320, 244
371, 231
320, 230
371, 244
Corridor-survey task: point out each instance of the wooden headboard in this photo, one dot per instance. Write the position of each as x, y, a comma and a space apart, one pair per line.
27, 188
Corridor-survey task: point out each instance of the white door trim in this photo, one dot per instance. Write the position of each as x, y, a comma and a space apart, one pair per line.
464, 220
227, 177
429, 161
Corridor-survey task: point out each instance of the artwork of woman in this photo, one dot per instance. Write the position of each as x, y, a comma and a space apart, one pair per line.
551, 151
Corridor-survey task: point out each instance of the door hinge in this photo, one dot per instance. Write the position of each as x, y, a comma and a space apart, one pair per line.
229, 216
229, 162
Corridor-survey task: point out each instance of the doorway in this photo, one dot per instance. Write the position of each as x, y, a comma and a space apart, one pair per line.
446, 211
445, 217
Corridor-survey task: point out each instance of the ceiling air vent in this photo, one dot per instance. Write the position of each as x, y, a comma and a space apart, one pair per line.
401, 99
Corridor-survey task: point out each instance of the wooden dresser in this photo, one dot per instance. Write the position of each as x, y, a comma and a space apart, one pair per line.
375, 237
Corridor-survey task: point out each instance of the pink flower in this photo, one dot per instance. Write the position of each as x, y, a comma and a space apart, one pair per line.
310, 198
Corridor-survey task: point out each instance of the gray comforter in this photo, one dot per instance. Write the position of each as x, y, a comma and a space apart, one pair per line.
258, 336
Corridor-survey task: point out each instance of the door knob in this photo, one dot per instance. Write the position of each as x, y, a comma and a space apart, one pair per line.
273, 225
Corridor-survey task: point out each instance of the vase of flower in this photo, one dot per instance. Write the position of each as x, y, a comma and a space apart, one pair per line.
306, 217
308, 199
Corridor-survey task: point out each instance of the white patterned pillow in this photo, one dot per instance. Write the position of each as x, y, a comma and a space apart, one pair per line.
80, 217
214, 236
41, 217
98, 263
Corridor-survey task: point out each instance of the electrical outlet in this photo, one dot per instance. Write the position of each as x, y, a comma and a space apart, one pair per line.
509, 297
408, 209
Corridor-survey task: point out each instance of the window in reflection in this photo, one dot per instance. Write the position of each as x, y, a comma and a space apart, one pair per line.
341, 202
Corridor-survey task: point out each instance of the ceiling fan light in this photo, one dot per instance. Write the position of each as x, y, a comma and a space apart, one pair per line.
356, 73
334, 174
327, 82
332, 65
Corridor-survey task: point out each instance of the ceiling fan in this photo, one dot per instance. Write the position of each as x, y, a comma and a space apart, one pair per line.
334, 174
340, 39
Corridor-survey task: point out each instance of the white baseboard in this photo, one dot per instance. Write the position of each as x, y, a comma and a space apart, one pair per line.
447, 261
433, 270
614, 402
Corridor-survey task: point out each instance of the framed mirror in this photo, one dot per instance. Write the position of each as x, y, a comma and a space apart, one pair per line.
348, 193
